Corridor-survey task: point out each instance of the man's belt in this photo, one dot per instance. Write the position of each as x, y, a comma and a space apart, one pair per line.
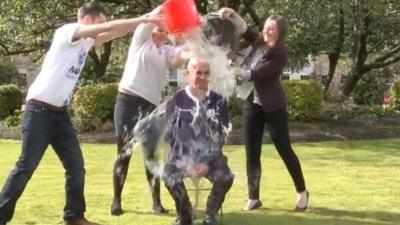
47, 106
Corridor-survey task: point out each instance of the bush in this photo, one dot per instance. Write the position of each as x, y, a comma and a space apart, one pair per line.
395, 95
10, 99
304, 99
93, 104
235, 111
15, 119
368, 94
7, 70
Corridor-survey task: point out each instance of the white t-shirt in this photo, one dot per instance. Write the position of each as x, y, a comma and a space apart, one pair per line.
146, 67
61, 67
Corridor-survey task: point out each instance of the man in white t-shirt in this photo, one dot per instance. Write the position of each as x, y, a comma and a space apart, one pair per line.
46, 120
139, 92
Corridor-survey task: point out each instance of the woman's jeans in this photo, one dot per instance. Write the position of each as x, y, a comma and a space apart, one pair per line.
255, 118
43, 126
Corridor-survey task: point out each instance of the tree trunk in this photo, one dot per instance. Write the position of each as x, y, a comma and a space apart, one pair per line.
351, 82
249, 8
333, 61
334, 56
100, 65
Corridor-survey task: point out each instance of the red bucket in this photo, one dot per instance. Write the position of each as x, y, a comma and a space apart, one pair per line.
180, 15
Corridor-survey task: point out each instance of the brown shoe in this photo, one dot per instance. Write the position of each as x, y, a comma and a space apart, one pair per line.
82, 221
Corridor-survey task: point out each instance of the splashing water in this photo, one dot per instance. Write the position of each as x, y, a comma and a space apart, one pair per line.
222, 79
150, 130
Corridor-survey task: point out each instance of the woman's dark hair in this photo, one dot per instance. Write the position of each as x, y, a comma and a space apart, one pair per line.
281, 25
92, 9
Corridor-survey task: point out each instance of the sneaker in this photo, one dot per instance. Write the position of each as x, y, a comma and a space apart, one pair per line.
82, 221
302, 201
252, 204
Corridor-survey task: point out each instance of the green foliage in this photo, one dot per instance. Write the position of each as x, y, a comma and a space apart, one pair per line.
368, 94
366, 111
235, 111
86, 124
15, 119
395, 95
304, 99
93, 104
7, 70
10, 99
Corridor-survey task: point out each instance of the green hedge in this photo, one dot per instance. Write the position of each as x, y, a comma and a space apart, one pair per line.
368, 94
235, 111
304, 99
395, 95
95, 102
10, 99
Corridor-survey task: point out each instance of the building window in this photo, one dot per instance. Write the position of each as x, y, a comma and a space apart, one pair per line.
305, 77
286, 77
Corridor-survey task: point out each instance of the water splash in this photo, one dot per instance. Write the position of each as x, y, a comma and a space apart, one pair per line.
150, 130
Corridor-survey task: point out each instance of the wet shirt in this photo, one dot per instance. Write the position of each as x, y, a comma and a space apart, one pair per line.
196, 130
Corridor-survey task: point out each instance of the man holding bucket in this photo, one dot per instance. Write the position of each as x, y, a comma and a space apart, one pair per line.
46, 119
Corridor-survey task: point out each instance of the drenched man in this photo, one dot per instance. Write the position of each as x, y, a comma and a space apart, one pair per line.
197, 124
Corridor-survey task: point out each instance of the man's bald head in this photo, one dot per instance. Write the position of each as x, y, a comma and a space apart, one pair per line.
195, 62
198, 73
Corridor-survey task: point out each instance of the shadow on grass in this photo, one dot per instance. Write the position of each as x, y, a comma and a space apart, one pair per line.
171, 213
315, 216
374, 215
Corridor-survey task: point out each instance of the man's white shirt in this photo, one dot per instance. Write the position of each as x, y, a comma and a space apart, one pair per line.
61, 67
146, 67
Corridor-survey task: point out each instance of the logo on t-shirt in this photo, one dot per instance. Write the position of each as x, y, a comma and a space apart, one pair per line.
74, 71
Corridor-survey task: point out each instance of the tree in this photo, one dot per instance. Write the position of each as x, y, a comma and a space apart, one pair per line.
26, 27
366, 31
7, 70
375, 38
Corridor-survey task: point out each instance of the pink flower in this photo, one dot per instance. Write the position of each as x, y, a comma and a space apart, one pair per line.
386, 100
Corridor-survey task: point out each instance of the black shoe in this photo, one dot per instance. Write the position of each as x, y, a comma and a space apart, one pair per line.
303, 209
210, 220
159, 209
179, 222
81, 221
116, 209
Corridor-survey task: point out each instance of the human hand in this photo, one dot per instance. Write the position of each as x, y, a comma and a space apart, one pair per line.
197, 171
201, 170
226, 13
234, 17
238, 73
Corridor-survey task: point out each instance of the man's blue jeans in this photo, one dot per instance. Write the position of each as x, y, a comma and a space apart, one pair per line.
43, 126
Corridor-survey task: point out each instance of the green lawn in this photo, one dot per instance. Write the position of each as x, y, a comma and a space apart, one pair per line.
350, 183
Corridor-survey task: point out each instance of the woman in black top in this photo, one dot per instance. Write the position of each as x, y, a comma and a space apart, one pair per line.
266, 105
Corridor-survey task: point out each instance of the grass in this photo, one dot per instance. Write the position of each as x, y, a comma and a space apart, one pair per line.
351, 183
